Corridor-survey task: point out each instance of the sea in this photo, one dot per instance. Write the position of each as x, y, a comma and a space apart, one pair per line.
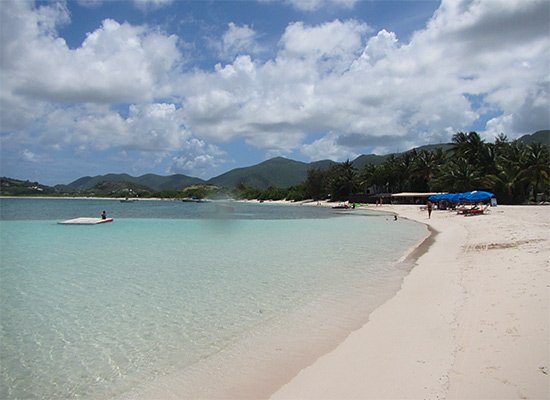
177, 298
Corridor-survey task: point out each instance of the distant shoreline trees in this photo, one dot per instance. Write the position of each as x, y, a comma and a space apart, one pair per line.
514, 171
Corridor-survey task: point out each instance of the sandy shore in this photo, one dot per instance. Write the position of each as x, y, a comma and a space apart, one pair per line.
470, 322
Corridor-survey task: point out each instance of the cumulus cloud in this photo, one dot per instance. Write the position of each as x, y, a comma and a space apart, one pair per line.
238, 40
115, 63
354, 89
328, 147
156, 127
383, 93
330, 46
197, 158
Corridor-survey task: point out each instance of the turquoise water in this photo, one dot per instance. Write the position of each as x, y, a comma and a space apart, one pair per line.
94, 311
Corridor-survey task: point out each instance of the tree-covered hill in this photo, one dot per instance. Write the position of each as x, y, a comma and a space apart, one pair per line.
151, 181
537, 137
16, 187
516, 171
277, 172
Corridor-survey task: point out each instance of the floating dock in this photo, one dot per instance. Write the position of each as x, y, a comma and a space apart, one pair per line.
85, 221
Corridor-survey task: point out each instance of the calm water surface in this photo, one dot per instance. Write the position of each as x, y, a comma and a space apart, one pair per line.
95, 311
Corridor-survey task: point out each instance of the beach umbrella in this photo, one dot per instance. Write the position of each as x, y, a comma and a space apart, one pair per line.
437, 197
477, 196
455, 197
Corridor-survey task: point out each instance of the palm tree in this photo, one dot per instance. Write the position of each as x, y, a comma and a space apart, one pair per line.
316, 184
470, 146
536, 168
344, 180
506, 184
459, 176
405, 168
424, 168
367, 177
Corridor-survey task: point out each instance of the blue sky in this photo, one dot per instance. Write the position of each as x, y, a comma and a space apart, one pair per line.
200, 87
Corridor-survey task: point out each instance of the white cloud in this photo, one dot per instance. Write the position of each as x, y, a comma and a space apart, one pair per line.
29, 156
329, 46
148, 5
352, 88
238, 40
315, 5
327, 147
197, 159
156, 127
332, 78
116, 62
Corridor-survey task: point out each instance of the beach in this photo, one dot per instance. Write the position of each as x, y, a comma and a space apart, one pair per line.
471, 320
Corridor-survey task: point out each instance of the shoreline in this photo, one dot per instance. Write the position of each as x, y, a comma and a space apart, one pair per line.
277, 354
471, 320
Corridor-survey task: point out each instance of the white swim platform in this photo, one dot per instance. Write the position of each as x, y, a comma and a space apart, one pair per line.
85, 221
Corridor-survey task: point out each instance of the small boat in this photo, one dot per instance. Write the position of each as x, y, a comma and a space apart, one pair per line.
127, 200
341, 207
85, 221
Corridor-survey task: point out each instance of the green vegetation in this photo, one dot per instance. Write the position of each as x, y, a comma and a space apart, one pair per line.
516, 171
277, 172
15, 187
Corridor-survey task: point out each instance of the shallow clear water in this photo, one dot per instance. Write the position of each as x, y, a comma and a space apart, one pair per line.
91, 311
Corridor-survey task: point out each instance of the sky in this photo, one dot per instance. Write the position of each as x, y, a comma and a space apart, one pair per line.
90, 87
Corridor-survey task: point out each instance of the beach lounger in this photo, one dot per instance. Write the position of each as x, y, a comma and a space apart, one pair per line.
475, 211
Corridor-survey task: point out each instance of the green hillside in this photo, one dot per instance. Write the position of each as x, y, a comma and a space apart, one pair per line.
277, 172
363, 160
539, 136
151, 181
16, 187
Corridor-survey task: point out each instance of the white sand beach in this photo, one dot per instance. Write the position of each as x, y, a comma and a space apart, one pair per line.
471, 320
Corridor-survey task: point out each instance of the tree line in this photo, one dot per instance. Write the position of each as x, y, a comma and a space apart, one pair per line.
514, 171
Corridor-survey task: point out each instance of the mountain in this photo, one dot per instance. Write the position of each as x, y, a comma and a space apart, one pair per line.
365, 159
152, 181
539, 136
277, 172
16, 187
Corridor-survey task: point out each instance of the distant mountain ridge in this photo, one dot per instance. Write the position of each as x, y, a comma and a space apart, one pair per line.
539, 136
276, 172
152, 181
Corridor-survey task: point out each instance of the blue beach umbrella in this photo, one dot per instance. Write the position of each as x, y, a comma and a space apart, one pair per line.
478, 196
437, 197
455, 197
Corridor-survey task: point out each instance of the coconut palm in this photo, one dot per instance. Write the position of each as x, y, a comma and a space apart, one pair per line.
343, 180
459, 175
536, 168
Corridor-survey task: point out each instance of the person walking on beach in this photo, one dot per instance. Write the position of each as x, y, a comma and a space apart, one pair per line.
429, 207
